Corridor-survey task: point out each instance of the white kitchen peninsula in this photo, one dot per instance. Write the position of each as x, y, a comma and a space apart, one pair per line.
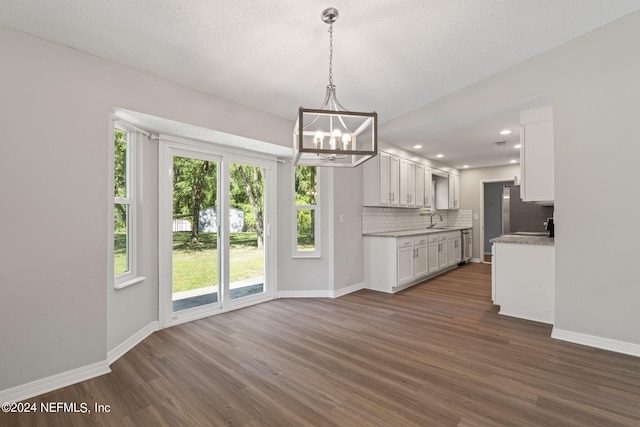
523, 277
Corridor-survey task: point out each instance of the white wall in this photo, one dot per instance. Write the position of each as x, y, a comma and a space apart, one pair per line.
341, 263
301, 276
597, 150
348, 243
57, 310
470, 184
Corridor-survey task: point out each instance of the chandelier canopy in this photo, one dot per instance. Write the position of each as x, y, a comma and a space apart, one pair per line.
332, 135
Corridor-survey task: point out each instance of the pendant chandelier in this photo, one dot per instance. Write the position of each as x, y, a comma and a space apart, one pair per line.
331, 135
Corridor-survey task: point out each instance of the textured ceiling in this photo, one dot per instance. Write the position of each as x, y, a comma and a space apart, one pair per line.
391, 56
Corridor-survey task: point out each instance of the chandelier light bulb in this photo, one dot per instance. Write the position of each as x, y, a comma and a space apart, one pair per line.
346, 140
318, 137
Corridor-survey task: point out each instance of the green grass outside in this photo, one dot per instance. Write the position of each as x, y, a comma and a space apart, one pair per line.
195, 265
120, 253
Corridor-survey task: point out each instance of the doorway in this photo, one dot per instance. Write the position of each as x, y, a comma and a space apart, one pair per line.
491, 215
215, 244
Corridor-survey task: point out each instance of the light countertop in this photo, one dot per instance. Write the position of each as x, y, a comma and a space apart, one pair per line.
524, 240
404, 233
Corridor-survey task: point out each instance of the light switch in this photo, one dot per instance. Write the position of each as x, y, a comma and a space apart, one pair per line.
341, 218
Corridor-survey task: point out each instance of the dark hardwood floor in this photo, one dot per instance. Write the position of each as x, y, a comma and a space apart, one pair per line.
437, 354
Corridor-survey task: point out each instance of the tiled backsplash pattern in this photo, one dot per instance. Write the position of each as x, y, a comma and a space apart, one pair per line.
375, 220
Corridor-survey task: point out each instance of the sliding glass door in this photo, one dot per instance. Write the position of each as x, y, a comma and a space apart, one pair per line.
246, 230
195, 267
214, 231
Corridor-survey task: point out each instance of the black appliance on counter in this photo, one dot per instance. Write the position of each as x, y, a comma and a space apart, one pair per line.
520, 217
550, 227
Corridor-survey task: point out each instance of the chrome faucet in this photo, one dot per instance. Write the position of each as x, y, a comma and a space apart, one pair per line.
431, 224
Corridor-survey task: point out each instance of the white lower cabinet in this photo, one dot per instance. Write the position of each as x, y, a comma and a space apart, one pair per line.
412, 259
454, 249
523, 281
434, 252
421, 260
405, 256
443, 251
416, 257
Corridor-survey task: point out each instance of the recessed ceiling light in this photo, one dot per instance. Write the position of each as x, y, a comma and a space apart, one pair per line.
505, 132
513, 161
517, 146
439, 155
417, 146
465, 166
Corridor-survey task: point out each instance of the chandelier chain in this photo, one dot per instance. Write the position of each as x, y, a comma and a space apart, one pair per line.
331, 54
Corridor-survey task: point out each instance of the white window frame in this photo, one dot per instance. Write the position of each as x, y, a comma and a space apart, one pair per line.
317, 252
134, 155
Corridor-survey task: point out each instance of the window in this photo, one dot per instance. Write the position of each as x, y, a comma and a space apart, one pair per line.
124, 207
307, 224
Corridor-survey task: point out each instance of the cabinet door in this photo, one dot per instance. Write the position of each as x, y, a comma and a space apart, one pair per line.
451, 252
421, 261
420, 191
428, 196
411, 184
384, 196
536, 155
432, 264
457, 250
394, 176
443, 253
405, 265
404, 190
454, 190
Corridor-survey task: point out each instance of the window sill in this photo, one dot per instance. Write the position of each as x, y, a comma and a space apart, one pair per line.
303, 256
129, 282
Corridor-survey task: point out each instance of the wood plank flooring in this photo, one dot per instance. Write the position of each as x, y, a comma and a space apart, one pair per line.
437, 354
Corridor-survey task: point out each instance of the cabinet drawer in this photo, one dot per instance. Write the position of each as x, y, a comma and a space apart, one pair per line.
443, 236
420, 240
405, 241
433, 238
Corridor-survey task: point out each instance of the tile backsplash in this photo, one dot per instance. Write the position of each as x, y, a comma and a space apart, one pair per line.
375, 220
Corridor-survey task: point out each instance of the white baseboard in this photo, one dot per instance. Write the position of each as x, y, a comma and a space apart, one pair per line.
476, 260
54, 382
304, 294
347, 290
132, 341
321, 294
597, 342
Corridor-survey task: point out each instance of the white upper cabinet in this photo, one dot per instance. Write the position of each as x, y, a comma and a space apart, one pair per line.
423, 186
454, 191
389, 180
407, 183
381, 181
536, 155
